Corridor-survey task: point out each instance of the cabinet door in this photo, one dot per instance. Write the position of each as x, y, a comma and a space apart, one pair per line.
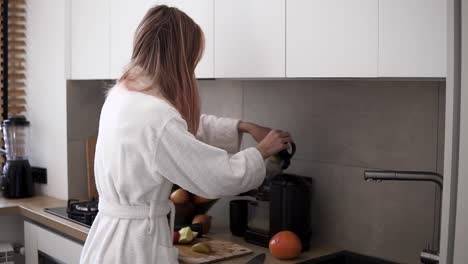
201, 11
60, 248
125, 16
412, 36
331, 38
89, 39
249, 38
30, 243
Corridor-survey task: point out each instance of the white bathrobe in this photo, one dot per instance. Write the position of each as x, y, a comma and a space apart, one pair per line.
143, 148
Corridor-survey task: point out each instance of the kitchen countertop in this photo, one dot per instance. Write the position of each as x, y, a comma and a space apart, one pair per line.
33, 209
315, 251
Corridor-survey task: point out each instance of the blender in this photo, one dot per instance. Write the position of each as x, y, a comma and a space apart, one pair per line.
17, 176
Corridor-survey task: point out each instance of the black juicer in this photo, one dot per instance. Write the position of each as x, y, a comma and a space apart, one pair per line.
281, 203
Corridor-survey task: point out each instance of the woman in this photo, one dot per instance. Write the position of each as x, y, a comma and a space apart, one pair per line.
151, 135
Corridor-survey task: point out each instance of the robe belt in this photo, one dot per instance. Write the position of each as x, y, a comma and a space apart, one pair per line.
149, 213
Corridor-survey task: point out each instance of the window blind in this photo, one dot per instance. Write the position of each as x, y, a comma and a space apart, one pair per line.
13, 59
16, 57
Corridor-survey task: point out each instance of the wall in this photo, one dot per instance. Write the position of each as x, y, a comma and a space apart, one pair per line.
46, 91
342, 128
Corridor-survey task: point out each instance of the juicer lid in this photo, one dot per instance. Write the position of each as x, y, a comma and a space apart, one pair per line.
16, 121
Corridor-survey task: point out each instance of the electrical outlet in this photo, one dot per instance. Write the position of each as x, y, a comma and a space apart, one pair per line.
39, 175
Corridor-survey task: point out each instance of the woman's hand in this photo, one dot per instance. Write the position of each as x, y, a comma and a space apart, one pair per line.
256, 131
274, 142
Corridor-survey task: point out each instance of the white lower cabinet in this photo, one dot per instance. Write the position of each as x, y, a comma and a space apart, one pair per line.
40, 242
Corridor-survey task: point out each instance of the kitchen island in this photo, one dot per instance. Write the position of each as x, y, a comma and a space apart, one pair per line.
33, 210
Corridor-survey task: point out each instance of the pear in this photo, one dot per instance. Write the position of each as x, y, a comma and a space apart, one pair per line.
203, 248
187, 235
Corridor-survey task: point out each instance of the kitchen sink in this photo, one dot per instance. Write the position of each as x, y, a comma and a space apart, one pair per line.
347, 257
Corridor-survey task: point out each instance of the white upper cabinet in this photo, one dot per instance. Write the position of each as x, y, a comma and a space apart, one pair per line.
89, 39
201, 11
249, 38
274, 38
331, 38
125, 16
412, 36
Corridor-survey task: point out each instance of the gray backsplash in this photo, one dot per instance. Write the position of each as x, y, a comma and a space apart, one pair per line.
84, 103
341, 128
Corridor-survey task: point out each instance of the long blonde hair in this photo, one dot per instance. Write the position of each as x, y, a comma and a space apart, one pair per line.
167, 47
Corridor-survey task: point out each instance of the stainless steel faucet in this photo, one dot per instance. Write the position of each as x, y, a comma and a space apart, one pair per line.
428, 256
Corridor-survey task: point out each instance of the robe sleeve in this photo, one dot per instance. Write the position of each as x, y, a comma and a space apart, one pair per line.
220, 132
203, 169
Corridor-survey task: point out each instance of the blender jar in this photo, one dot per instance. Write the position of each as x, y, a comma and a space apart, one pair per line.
17, 174
16, 137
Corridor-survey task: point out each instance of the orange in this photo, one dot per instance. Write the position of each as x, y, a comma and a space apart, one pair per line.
204, 220
180, 196
285, 245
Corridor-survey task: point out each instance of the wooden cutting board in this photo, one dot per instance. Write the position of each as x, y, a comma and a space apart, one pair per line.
90, 150
221, 250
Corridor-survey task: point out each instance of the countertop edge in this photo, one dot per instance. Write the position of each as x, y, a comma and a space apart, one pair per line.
59, 226
33, 209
